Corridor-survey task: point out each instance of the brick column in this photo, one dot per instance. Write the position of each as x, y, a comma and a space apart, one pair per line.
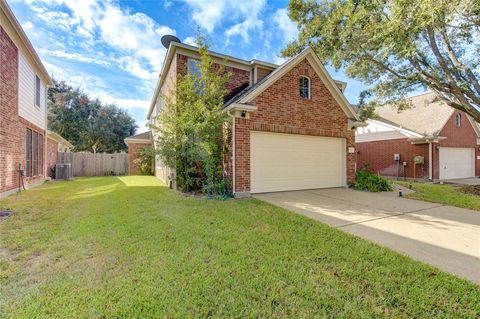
242, 157
351, 157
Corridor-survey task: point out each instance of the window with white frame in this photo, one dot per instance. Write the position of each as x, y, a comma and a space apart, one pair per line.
37, 91
304, 84
458, 120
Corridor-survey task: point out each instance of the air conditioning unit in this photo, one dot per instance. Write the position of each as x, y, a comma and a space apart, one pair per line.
63, 171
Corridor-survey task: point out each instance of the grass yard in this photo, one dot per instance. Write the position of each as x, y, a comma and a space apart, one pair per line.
444, 194
128, 247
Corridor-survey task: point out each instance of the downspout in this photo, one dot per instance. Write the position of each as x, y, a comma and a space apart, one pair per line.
233, 152
430, 158
45, 139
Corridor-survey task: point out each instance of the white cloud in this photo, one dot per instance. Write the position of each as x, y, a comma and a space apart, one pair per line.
208, 14
73, 56
287, 27
133, 39
243, 29
190, 41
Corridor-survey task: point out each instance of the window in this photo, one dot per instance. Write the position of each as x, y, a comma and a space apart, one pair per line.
40, 154
192, 65
37, 91
28, 152
304, 87
458, 120
35, 153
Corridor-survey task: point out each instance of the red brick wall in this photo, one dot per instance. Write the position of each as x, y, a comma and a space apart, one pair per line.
12, 126
52, 152
282, 110
133, 149
262, 73
242, 155
9, 153
379, 157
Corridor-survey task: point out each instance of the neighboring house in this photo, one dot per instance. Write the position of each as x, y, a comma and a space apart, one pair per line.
447, 139
135, 143
23, 111
292, 126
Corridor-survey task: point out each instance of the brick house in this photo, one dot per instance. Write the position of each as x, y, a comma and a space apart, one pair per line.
292, 127
135, 143
23, 108
447, 140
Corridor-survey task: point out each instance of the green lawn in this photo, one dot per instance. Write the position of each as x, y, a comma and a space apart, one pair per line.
130, 248
443, 194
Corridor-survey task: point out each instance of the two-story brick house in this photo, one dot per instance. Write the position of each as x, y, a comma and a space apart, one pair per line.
23, 107
292, 127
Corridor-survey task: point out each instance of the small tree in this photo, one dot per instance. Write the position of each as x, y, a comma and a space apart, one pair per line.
191, 127
146, 156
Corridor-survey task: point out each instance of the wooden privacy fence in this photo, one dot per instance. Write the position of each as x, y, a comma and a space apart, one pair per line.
95, 164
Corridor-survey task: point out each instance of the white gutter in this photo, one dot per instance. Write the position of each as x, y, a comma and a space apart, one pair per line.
233, 151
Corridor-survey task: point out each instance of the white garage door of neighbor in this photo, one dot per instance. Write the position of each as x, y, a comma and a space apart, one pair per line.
457, 162
282, 162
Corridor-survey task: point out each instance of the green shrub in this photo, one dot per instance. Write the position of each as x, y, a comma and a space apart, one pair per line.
366, 181
146, 156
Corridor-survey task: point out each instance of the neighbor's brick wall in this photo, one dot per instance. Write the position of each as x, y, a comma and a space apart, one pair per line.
282, 110
378, 155
12, 126
463, 136
52, 152
133, 149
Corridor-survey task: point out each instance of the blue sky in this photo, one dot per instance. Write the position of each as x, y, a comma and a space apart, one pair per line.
112, 50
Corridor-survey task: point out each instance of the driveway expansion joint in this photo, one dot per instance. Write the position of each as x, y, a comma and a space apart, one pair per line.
388, 216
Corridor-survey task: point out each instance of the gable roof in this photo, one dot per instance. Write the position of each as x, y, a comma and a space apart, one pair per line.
142, 138
58, 138
249, 93
426, 116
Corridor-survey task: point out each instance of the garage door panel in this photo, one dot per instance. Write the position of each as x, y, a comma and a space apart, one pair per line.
456, 162
288, 162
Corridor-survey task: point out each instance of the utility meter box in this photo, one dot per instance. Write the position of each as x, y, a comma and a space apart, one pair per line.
396, 157
419, 159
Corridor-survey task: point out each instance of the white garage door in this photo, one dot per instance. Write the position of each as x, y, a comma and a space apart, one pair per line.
457, 162
281, 162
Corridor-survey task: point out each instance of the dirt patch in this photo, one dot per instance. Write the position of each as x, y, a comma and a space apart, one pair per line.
470, 190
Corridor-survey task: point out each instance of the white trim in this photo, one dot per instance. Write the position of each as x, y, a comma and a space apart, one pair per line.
137, 141
430, 164
331, 85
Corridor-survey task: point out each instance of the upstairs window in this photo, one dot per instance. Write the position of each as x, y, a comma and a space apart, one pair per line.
192, 65
458, 120
37, 91
304, 87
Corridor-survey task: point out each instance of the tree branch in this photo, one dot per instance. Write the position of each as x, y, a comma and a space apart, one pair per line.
453, 57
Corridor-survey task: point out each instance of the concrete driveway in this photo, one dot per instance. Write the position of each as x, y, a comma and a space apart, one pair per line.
442, 236
464, 181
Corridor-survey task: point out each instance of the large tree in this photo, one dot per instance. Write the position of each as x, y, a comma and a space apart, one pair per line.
398, 46
87, 123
